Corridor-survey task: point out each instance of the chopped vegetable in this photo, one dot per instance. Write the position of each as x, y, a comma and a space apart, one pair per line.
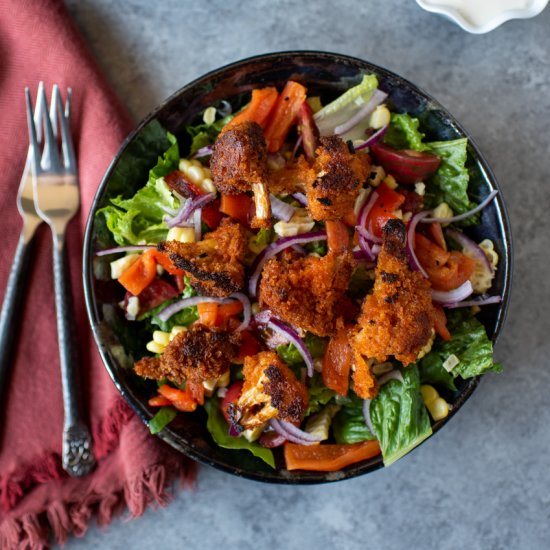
140, 274
261, 104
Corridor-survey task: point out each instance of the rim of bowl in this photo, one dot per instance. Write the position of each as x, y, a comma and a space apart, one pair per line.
171, 437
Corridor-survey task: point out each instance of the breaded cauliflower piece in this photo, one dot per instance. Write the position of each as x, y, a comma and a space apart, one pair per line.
340, 175
306, 291
398, 317
270, 390
199, 354
239, 165
215, 263
294, 177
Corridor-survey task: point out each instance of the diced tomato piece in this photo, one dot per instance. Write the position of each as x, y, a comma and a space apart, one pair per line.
328, 458
441, 323
388, 200
211, 214
155, 294
249, 345
164, 260
237, 207
177, 181
208, 313
140, 274
231, 397
225, 311
429, 254
413, 201
307, 128
337, 362
337, 236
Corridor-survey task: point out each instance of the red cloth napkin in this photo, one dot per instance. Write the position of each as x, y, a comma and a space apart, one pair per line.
38, 501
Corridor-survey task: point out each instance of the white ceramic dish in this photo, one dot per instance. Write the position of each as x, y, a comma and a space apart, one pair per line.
481, 16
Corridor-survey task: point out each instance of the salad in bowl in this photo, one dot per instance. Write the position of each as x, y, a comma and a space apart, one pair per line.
298, 274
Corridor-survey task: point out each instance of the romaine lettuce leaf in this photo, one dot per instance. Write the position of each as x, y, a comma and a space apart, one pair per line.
469, 343
344, 107
205, 134
140, 218
290, 355
319, 394
349, 425
218, 428
399, 416
403, 133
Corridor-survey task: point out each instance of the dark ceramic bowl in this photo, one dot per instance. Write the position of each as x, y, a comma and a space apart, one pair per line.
324, 74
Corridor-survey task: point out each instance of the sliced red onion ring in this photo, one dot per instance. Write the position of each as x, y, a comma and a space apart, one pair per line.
247, 310
197, 222
376, 98
224, 108
170, 310
117, 249
292, 336
273, 249
301, 198
282, 430
291, 428
188, 208
297, 145
471, 249
413, 260
202, 152
280, 209
461, 217
375, 138
360, 256
364, 244
366, 415
477, 302
371, 236
365, 209
392, 375
452, 296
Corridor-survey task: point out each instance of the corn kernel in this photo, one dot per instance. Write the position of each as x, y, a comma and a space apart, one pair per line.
187, 235
442, 211
153, 347
118, 267
176, 330
184, 165
161, 337
224, 379
380, 117
420, 188
196, 163
429, 394
377, 175
381, 368
207, 172
207, 186
389, 180
209, 115
195, 174
439, 408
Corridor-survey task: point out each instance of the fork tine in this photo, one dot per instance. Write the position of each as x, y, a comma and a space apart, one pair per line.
69, 159
38, 113
69, 104
50, 155
54, 108
33, 140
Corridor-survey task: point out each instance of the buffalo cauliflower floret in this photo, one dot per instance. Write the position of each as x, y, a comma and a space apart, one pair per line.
270, 390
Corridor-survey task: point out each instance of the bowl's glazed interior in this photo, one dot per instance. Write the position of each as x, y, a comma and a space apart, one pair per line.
324, 74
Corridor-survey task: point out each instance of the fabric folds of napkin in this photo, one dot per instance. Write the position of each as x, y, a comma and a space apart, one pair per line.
39, 503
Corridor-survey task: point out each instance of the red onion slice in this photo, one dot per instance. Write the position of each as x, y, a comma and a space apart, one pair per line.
365, 209
301, 198
247, 310
203, 152
366, 415
273, 249
392, 375
375, 99
477, 302
130, 248
188, 208
375, 138
461, 217
197, 223
280, 209
292, 429
452, 296
282, 430
413, 260
364, 244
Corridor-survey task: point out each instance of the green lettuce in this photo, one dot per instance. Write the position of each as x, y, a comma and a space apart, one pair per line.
162, 418
345, 107
349, 425
469, 343
139, 219
205, 134
319, 394
290, 355
403, 133
218, 428
399, 416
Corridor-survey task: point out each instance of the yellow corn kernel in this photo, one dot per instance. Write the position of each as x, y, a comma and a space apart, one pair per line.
429, 394
184, 165
380, 117
195, 174
377, 175
207, 172
389, 180
161, 337
153, 347
207, 186
443, 211
196, 163
251, 434
209, 115
181, 234
439, 408
176, 330
224, 379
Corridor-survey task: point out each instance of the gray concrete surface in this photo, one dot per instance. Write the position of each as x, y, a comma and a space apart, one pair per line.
484, 481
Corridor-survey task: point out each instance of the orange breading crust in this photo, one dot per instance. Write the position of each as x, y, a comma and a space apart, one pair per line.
266, 373
215, 263
398, 317
305, 291
294, 177
340, 175
198, 354
239, 159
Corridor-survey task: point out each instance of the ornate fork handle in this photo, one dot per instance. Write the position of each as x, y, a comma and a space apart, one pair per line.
78, 459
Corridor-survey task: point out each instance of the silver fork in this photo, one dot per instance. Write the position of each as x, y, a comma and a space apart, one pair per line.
57, 198
17, 278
